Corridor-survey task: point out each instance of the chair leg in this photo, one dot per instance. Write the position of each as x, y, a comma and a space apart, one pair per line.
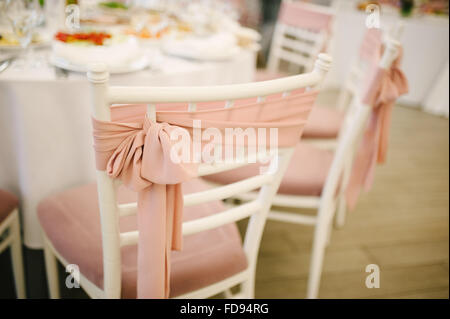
329, 232
17, 257
318, 251
341, 212
228, 294
51, 267
248, 287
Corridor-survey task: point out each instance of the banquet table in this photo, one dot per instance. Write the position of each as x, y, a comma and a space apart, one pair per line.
45, 124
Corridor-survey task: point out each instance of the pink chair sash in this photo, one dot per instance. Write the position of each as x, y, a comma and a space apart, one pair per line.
386, 86
299, 15
371, 45
139, 154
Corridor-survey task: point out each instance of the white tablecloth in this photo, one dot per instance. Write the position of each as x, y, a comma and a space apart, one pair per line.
45, 129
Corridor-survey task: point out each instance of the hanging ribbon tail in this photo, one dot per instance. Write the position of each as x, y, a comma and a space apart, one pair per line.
384, 129
164, 232
152, 228
386, 86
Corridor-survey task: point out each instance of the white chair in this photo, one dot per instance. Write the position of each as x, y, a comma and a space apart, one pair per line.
10, 237
116, 243
326, 122
298, 38
314, 178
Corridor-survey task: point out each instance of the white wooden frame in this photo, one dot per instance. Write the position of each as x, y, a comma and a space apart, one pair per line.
257, 209
13, 240
303, 45
327, 204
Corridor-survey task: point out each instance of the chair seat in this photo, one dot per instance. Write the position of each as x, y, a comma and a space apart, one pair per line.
265, 75
71, 221
323, 122
8, 202
305, 175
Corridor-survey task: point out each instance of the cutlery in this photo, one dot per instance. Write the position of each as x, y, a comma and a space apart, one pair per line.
4, 65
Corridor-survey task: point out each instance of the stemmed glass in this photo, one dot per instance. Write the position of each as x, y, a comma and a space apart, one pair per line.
24, 16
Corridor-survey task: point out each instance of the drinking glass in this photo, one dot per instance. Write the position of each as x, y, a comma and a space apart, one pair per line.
24, 16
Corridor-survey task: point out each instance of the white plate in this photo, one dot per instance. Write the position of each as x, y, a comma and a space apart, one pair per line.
214, 47
179, 52
137, 65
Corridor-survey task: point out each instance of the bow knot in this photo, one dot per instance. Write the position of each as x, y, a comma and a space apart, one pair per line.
142, 156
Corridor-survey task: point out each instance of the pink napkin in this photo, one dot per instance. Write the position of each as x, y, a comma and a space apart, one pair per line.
139, 154
385, 87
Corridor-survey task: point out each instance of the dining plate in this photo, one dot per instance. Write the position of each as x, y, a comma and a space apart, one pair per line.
137, 65
217, 47
191, 55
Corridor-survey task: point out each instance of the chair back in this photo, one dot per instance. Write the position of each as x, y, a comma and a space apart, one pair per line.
353, 128
104, 95
301, 33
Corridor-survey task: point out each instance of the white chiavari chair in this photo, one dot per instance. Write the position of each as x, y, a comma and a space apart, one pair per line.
326, 122
315, 177
115, 243
10, 237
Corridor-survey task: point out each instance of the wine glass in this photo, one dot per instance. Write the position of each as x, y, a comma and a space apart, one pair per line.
24, 16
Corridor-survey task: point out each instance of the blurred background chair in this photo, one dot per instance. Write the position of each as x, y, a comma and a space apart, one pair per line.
10, 237
326, 122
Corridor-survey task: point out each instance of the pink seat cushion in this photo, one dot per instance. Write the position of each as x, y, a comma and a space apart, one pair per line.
8, 202
305, 175
71, 221
323, 122
265, 75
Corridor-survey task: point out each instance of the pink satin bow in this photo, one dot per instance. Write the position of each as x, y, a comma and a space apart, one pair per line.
385, 88
157, 180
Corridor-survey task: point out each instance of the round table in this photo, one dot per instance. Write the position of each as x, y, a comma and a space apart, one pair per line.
45, 128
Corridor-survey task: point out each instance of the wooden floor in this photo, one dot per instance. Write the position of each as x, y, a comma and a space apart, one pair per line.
402, 225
